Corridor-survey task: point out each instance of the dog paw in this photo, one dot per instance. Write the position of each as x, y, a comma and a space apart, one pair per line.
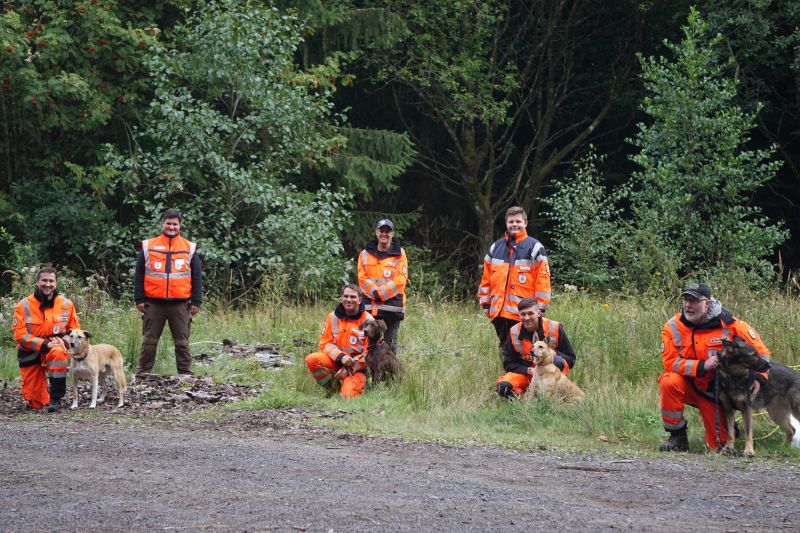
73, 406
730, 450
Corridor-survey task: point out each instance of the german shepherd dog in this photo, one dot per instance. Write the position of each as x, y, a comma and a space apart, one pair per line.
94, 362
548, 378
381, 360
780, 394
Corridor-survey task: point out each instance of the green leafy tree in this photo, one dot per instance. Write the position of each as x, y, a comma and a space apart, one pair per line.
586, 225
232, 124
497, 94
696, 177
71, 78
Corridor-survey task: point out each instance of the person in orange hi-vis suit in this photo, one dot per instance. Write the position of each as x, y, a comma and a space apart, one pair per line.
517, 359
41, 322
515, 267
691, 342
342, 346
382, 276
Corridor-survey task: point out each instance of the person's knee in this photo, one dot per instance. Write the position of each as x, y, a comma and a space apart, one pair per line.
670, 381
506, 390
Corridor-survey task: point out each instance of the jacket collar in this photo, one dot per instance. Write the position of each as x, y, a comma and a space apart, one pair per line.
519, 237
529, 335
340, 312
43, 303
719, 317
394, 248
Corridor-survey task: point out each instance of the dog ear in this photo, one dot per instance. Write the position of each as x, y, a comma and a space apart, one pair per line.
88, 335
549, 341
382, 325
69, 331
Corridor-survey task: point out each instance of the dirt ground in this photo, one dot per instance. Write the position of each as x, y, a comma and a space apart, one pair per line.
262, 470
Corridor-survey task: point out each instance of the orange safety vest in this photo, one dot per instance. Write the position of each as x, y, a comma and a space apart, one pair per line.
523, 345
388, 276
683, 346
33, 327
344, 336
513, 270
167, 267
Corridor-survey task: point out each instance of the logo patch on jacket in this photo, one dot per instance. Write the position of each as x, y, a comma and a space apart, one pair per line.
353, 340
523, 278
157, 265
179, 264
752, 333
387, 273
717, 340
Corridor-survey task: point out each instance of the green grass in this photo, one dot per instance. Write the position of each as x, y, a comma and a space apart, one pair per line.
451, 360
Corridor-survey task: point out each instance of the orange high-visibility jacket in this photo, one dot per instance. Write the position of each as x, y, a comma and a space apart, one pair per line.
34, 327
684, 346
517, 355
167, 267
343, 336
514, 269
385, 278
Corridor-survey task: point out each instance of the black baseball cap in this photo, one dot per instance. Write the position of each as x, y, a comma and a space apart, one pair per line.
697, 290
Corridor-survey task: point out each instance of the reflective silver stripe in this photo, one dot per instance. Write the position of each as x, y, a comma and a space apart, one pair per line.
57, 364
393, 287
553, 328
26, 340
510, 309
484, 300
146, 253
672, 414
27, 310
65, 310
542, 295
364, 257
512, 298
393, 308
543, 259
498, 261
321, 372
153, 274
335, 326
56, 374
764, 357
676, 366
368, 307
676, 334
674, 427
523, 262
184, 274
192, 250
325, 379
515, 339
690, 364
383, 292
33, 356
484, 290
536, 249
725, 332
494, 297
487, 259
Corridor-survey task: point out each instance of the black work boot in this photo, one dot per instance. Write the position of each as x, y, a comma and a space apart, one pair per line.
58, 388
678, 441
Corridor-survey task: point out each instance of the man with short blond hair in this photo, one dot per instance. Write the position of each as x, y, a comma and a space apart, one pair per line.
515, 267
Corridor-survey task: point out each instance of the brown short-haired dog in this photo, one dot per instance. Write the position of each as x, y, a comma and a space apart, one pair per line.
95, 363
381, 360
548, 378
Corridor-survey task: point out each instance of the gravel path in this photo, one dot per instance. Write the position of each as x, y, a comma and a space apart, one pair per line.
271, 470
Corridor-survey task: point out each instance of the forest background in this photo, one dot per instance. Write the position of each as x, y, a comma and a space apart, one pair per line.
650, 142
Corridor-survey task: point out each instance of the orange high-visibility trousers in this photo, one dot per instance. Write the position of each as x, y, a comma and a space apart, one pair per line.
322, 368
677, 391
519, 382
34, 378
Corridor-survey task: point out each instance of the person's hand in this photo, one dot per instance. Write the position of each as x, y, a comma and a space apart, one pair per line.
486, 312
531, 371
559, 362
140, 307
711, 363
55, 342
347, 361
375, 295
195, 310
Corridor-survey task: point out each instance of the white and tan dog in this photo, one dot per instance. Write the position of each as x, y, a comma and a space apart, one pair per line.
548, 378
94, 363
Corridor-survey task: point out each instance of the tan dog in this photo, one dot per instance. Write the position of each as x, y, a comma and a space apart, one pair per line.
94, 363
548, 379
